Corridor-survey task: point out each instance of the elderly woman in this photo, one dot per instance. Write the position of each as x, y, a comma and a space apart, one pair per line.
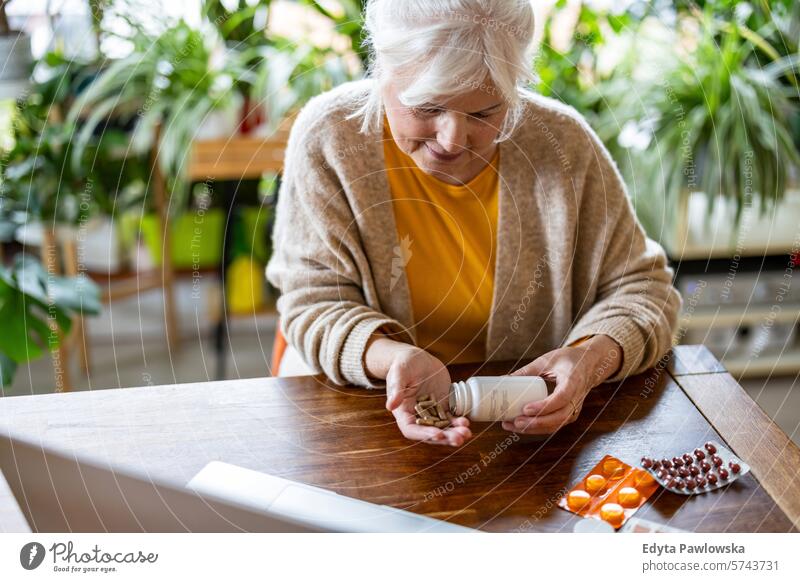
439, 212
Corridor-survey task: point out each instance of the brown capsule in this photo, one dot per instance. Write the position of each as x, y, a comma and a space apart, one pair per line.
710, 448
426, 422
424, 412
442, 424
423, 397
440, 411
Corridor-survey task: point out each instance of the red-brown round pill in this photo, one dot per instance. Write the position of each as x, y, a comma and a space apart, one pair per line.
694, 471
679, 484
699, 454
663, 474
723, 473
716, 461
656, 465
647, 462
705, 466
666, 463
711, 448
688, 459
673, 472
701, 481
712, 479
690, 484
683, 472
677, 461
735, 467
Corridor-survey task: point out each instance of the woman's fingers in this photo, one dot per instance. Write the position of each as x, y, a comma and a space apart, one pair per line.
561, 397
535, 368
544, 424
396, 393
453, 436
459, 421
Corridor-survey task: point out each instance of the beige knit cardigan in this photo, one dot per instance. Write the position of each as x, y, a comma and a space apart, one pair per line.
572, 260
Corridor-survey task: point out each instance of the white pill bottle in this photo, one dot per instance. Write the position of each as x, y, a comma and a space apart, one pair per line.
495, 398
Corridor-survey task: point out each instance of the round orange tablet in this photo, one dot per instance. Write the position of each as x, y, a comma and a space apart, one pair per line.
612, 513
595, 483
643, 479
613, 469
628, 497
578, 499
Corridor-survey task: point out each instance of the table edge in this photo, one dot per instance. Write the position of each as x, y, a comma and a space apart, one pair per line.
763, 424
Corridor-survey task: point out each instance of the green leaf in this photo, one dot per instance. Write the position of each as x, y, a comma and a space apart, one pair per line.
8, 369
79, 294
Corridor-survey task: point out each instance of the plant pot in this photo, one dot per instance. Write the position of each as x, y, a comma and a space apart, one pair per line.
196, 238
15, 54
692, 229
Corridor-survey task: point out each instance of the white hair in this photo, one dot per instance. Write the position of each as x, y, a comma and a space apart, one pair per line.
440, 48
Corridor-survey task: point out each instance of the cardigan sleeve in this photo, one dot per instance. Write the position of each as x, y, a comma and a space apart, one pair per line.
635, 302
318, 265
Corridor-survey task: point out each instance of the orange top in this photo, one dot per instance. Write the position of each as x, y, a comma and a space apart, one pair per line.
447, 236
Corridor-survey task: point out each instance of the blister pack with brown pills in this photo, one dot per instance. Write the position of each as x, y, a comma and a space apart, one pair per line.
699, 471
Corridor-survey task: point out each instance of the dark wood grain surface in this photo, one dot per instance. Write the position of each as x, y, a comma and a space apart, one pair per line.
343, 439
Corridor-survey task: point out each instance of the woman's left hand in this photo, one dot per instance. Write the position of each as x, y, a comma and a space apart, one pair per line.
575, 371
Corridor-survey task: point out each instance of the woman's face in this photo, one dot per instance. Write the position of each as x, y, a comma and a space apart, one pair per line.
452, 140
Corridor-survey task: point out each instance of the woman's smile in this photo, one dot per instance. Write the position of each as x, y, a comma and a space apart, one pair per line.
442, 156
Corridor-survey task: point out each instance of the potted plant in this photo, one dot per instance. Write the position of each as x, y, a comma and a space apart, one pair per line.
168, 85
719, 126
37, 309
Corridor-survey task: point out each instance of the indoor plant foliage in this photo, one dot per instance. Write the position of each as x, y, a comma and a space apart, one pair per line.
688, 97
719, 123
168, 83
34, 307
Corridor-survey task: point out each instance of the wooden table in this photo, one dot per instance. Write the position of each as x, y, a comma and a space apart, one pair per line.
343, 439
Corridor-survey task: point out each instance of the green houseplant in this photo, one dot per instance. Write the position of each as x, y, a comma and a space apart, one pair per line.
700, 97
34, 307
719, 122
169, 84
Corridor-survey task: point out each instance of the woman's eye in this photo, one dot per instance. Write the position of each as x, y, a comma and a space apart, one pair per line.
426, 111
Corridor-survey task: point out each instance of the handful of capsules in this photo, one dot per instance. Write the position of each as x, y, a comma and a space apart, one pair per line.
697, 471
611, 492
430, 412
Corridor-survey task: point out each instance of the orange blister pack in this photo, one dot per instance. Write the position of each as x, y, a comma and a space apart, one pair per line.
611, 492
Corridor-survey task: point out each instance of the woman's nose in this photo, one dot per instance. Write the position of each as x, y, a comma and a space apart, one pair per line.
451, 134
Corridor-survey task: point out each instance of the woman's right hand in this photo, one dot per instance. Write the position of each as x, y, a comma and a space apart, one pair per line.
414, 371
